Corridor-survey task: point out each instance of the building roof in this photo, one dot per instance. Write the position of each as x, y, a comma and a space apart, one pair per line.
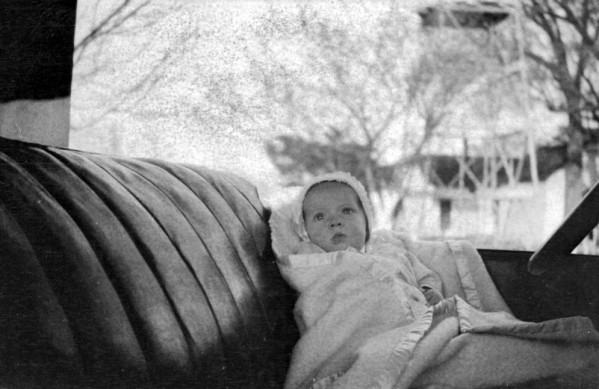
469, 14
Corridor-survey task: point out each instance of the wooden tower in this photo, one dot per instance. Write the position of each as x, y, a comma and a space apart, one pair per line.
493, 164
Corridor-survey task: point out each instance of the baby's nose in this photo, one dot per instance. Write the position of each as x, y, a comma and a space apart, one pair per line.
334, 222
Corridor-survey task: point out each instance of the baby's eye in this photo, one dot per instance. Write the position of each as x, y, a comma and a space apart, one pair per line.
348, 211
318, 217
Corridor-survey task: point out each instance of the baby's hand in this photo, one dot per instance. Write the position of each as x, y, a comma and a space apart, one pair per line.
433, 296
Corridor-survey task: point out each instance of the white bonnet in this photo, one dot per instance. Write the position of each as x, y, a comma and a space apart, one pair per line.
342, 177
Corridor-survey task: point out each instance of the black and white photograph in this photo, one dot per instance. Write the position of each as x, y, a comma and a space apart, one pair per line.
299, 194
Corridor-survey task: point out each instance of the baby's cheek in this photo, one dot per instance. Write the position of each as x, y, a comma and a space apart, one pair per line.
314, 234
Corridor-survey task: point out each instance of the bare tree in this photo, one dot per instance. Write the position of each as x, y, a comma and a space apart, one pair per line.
566, 76
112, 25
365, 100
113, 22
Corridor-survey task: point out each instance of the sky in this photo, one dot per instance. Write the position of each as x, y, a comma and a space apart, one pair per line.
174, 134
196, 42
166, 125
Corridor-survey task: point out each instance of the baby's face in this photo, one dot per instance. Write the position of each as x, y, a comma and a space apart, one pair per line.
334, 217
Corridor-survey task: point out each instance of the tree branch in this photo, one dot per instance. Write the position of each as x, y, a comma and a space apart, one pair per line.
105, 27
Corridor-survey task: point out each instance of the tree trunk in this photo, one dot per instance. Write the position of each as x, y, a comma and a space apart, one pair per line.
592, 165
574, 186
573, 170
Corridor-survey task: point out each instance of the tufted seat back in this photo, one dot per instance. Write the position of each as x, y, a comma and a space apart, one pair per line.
122, 272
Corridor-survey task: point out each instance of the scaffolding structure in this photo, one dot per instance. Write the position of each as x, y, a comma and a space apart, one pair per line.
503, 156
494, 169
492, 166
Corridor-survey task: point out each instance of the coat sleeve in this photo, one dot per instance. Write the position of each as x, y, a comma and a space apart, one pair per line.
429, 282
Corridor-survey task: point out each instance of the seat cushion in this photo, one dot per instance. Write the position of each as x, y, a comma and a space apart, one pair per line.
126, 272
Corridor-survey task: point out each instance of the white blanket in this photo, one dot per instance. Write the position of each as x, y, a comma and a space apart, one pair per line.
356, 331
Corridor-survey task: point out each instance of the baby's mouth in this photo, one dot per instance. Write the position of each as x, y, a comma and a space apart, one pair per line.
338, 238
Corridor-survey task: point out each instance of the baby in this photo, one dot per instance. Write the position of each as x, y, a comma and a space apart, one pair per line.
370, 314
333, 215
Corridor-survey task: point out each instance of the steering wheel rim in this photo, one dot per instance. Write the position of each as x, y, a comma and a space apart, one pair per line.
575, 227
